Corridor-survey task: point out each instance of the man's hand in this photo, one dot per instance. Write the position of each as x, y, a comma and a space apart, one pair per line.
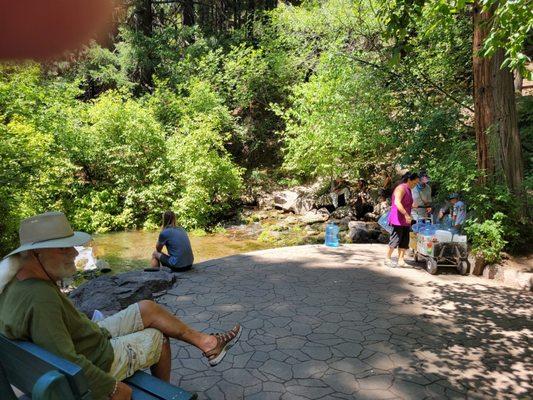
408, 219
123, 392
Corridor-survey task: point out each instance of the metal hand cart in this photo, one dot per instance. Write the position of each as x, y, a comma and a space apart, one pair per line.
435, 253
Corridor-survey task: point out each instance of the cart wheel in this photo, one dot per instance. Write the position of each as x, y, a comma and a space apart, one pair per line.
464, 267
431, 266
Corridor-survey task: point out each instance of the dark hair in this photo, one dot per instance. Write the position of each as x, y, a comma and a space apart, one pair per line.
168, 218
409, 176
413, 176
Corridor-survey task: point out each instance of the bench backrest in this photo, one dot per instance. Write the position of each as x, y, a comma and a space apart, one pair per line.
37, 371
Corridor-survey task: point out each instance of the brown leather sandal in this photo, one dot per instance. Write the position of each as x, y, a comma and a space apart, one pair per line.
225, 341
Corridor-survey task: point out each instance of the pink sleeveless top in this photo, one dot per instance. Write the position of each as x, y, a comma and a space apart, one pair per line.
396, 217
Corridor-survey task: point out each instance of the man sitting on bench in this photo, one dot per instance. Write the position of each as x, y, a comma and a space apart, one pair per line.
32, 308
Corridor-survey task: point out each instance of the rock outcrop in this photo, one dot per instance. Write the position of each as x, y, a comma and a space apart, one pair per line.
110, 294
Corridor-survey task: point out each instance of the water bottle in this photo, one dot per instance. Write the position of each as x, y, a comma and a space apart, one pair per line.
332, 235
97, 316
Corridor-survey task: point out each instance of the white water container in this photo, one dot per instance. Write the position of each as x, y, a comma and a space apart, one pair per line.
443, 236
459, 238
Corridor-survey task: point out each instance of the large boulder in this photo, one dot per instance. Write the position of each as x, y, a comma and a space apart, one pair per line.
358, 232
110, 294
303, 204
293, 200
314, 216
285, 199
366, 232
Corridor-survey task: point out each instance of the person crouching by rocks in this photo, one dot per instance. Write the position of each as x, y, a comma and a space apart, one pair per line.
362, 202
382, 206
176, 240
32, 308
400, 219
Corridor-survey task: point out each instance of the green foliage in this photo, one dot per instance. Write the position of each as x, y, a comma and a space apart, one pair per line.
120, 148
110, 163
302, 91
338, 122
487, 237
202, 166
525, 125
509, 29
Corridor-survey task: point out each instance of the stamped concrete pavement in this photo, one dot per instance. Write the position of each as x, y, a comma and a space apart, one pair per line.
322, 323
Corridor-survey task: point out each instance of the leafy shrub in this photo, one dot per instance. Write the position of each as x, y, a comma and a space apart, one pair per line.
487, 237
338, 122
208, 179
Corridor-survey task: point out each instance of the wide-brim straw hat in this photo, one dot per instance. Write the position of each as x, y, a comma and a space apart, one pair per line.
46, 231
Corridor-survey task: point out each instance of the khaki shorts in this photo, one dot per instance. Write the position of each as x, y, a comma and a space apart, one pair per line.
134, 347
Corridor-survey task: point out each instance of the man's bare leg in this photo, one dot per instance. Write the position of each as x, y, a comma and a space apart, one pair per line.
162, 369
155, 316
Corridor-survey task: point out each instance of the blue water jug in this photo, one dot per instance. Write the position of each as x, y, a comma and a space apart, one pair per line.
332, 235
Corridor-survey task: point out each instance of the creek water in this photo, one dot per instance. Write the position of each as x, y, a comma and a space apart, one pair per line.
126, 251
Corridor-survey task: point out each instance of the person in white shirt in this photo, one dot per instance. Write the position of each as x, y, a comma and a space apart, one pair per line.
421, 198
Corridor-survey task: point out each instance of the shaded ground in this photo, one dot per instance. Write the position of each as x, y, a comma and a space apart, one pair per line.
334, 324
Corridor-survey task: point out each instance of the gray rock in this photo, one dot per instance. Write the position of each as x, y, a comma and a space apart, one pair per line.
303, 204
341, 212
314, 216
110, 294
358, 232
383, 238
285, 199
365, 232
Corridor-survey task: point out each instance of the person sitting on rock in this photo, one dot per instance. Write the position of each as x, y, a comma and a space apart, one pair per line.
335, 195
32, 308
362, 202
382, 207
180, 256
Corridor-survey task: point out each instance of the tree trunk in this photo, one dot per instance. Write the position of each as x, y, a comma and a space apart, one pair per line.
143, 20
250, 17
499, 153
188, 12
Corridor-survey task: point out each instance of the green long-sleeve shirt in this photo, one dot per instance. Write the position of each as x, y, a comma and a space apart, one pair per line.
35, 310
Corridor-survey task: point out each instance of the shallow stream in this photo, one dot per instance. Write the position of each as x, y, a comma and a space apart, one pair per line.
125, 251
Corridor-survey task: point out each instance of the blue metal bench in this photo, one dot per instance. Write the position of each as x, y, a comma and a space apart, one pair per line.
46, 376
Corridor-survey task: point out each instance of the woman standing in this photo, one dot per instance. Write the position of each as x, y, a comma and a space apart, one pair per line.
400, 218
176, 240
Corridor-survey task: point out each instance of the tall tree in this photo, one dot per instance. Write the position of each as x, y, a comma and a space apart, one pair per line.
143, 19
497, 47
188, 12
498, 139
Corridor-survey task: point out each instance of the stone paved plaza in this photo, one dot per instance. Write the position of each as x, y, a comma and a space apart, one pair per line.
323, 323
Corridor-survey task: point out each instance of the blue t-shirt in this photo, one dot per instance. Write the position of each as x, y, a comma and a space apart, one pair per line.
178, 246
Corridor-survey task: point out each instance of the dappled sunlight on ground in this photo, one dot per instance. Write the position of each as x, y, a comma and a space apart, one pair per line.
336, 324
